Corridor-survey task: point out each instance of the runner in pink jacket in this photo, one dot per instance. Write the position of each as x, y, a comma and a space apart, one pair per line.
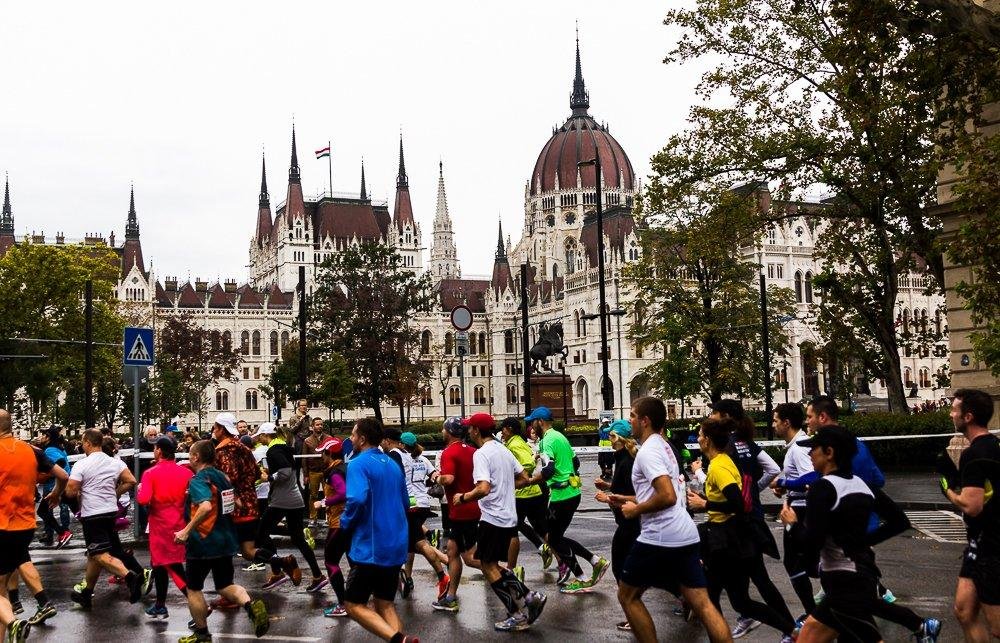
163, 490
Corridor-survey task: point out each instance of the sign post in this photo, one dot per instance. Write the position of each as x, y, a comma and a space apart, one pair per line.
138, 356
461, 319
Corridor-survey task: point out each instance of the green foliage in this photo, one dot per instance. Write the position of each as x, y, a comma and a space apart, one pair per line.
844, 94
699, 296
889, 453
362, 308
327, 376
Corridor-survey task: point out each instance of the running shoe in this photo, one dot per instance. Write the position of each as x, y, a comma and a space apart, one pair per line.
929, 632
291, 567
16, 607
434, 537
196, 637
157, 611
514, 623
318, 583
624, 626
744, 626
600, 569
18, 630
534, 602
565, 574
46, 542
275, 580
83, 598
576, 587
405, 584
79, 587
446, 604
147, 581
258, 617
443, 586
519, 572
818, 598
255, 567
223, 603
64, 538
787, 638
546, 553
335, 611
135, 586
307, 532
889, 597
44, 612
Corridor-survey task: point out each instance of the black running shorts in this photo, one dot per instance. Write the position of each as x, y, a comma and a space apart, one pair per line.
668, 568
100, 534
14, 549
246, 532
198, 569
463, 533
984, 572
415, 526
846, 606
493, 543
365, 581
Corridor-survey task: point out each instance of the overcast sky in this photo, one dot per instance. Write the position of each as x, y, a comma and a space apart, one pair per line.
181, 97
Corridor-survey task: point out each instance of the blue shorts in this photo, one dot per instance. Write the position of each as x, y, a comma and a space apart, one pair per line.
668, 568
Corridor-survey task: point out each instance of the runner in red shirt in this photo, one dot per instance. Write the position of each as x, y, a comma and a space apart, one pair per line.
455, 474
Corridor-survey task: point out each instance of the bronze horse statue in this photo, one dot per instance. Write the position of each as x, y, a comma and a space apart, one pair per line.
550, 342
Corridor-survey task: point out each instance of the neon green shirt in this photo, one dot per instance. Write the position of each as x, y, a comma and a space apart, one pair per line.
555, 445
523, 454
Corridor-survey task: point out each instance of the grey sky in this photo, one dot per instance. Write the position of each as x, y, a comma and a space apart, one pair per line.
181, 98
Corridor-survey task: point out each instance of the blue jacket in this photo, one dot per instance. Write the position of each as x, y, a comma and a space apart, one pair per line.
375, 513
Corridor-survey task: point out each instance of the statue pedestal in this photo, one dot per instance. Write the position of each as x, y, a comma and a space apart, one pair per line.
554, 391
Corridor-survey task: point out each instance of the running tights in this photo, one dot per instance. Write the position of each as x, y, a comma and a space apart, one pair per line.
510, 591
560, 516
293, 519
160, 573
732, 574
336, 545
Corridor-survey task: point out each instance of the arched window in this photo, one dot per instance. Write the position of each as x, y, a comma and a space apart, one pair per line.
583, 324
454, 397
482, 343
472, 344
222, 400
479, 395
426, 399
809, 287
512, 394
798, 286
256, 342
216, 340
908, 377
576, 321
227, 340
570, 257
284, 339
508, 341
925, 378
274, 343
581, 399
906, 321
245, 342
425, 342
251, 399
449, 344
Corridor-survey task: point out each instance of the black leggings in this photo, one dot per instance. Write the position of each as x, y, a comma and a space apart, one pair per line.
560, 516
337, 543
160, 574
53, 526
728, 572
534, 511
765, 587
293, 519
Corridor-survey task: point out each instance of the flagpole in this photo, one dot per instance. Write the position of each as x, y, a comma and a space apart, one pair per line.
329, 163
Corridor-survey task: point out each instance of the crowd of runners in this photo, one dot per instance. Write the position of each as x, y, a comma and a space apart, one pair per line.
492, 483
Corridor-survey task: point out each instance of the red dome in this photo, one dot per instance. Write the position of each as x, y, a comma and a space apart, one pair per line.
581, 138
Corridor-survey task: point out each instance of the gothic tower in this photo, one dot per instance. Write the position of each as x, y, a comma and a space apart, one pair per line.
444, 259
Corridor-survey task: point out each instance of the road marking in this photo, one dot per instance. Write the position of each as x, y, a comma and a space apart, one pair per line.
940, 525
249, 637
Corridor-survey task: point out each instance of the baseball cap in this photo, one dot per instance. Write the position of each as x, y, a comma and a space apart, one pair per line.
267, 428
392, 433
228, 422
482, 421
511, 423
166, 446
622, 428
833, 436
408, 439
539, 413
333, 445
732, 408
453, 426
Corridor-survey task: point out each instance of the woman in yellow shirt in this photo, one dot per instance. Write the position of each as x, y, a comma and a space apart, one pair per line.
727, 544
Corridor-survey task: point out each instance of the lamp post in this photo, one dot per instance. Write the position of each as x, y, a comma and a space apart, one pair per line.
766, 349
605, 381
617, 312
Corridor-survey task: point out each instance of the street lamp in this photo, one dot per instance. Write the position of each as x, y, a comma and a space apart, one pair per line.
605, 381
619, 313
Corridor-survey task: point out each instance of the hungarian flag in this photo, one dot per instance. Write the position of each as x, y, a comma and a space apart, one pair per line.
323, 153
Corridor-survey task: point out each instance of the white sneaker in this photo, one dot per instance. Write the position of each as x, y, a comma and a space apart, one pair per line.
744, 626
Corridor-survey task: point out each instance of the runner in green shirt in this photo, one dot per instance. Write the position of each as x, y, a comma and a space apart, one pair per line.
531, 503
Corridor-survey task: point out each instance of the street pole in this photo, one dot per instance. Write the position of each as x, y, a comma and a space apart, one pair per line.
602, 299
461, 379
766, 340
88, 355
618, 317
136, 379
526, 365
562, 367
784, 376
303, 392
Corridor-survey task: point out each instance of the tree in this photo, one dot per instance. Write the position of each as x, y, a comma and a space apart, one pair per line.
327, 376
700, 299
189, 358
363, 307
845, 94
41, 294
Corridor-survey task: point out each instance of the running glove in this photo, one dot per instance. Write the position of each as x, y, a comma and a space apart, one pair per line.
949, 473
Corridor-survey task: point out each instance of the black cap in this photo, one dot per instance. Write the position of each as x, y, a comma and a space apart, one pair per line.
166, 446
731, 408
511, 423
392, 433
833, 436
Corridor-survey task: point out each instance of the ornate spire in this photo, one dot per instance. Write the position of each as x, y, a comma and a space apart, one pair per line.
441, 215
364, 189
401, 180
7, 216
264, 201
501, 250
132, 226
293, 169
580, 100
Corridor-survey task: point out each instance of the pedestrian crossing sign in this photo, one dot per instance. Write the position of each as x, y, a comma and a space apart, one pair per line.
138, 346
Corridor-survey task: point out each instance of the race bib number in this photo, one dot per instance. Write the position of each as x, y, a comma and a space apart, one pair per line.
228, 501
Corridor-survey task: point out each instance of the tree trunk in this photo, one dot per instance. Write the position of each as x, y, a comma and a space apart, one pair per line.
891, 369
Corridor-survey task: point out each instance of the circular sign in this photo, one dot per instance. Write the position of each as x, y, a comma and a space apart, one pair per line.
461, 317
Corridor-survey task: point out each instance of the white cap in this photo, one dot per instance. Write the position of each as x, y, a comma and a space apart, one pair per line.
228, 422
267, 428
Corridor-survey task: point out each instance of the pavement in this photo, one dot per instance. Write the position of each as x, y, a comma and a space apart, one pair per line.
920, 571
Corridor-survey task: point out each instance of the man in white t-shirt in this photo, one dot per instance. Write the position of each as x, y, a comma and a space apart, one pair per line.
98, 480
497, 473
666, 555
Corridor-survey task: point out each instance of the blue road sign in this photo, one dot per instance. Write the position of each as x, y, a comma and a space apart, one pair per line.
138, 346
